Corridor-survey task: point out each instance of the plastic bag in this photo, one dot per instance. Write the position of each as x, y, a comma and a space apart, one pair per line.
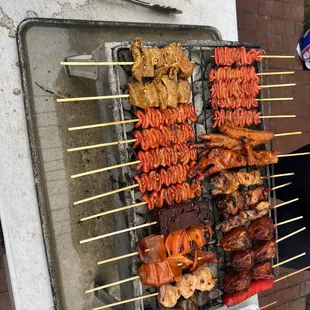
303, 48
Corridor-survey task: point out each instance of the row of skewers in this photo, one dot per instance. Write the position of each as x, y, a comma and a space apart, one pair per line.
171, 175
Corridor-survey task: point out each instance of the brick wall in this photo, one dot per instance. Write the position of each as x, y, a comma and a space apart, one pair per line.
278, 25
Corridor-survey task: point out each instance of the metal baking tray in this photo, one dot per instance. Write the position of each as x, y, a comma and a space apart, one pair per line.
200, 52
42, 44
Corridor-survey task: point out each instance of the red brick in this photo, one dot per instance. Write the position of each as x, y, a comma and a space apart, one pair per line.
241, 20
247, 6
300, 93
257, 23
282, 27
282, 307
305, 288
270, 43
266, 300
297, 62
280, 63
5, 303
247, 36
299, 304
299, 29
3, 282
294, 12
271, 8
289, 44
300, 76
288, 294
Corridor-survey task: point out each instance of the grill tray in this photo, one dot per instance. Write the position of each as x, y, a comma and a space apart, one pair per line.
200, 52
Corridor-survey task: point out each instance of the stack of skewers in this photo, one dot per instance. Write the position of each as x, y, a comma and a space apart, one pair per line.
172, 257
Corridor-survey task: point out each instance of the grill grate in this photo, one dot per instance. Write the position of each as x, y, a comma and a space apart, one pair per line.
200, 52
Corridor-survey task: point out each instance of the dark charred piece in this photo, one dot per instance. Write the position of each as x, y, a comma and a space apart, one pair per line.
262, 271
236, 239
236, 281
262, 229
181, 217
265, 250
242, 260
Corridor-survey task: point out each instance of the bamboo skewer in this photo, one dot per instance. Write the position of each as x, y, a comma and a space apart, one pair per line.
88, 147
277, 85
289, 260
127, 96
113, 211
111, 284
94, 146
138, 277
280, 186
294, 154
105, 169
96, 63
288, 133
144, 203
106, 194
135, 120
117, 232
292, 274
284, 203
126, 301
291, 234
113, 259
275, 73
269, 305
277, 56
92, 98
289, 221
278, 175
156, 294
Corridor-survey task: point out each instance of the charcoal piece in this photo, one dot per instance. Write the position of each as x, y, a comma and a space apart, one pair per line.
181, 216
205, 297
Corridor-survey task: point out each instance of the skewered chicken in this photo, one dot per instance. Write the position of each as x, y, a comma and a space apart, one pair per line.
244, 217
165, 156
203, 280
187, 285
265, 250
257, 211
262, 229
217, 160
237, 201
168, 295
232, 222
262, 271
253, 137
228, 182
226, 56
236, 281
242, 260
154, 62
261, 158
151, 117
218, 140
232, 204
236, 239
